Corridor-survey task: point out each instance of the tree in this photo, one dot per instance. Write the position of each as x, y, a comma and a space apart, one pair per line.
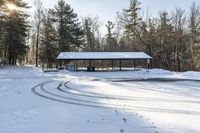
70, 34
180, 39
37, 23
2, 30
47, 52
110, 39
91, 27
1, 2
194, 27
15, 30
165, 36
132, 22
136, 29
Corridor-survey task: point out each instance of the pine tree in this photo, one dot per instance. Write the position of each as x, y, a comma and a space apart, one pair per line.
2, 28
133, 22
194, 27
110, 39
70, 34
15, 32
135, 28
90, 38
152, 41
47, 52
165, 40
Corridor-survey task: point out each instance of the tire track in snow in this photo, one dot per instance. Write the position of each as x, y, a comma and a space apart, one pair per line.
72, 101
75, 101
88, 94
115, 97
41, 87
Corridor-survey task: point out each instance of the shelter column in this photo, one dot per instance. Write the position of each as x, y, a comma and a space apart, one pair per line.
134, 63
90, 63
148, 63
60, 61
112, 65
120, 65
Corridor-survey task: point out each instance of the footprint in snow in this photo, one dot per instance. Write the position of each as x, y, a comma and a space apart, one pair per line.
125, 120
122, 130
116, 111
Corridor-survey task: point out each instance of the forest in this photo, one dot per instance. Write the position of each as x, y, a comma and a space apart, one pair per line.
171, 38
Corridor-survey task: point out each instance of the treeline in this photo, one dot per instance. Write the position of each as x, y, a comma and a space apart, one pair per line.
172, 39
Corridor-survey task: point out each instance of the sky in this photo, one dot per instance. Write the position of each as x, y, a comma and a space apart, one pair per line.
106, 9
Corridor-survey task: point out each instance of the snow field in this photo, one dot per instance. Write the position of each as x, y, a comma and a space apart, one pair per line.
106, 102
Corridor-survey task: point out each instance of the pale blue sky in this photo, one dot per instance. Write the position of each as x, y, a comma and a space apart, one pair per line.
106, 9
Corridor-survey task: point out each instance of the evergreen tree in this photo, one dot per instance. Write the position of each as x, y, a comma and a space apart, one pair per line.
15, 32
70, 34
47, 52
110, 39
90, 38
2, 28
152, 41
133, 22
135, 28
165, 36
194, 27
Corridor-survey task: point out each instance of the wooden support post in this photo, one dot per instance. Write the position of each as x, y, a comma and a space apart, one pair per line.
60, 63
148, 63
120, 65
134, 63
90, 63
56, 64
112, 65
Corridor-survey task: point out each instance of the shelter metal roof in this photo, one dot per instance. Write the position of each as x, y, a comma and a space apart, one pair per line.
102, 55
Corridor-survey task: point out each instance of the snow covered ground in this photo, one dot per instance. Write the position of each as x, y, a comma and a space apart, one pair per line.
157, 101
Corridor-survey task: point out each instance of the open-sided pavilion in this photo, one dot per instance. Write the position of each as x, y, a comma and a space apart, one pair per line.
109, 56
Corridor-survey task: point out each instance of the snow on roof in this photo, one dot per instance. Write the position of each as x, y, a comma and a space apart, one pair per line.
102, 55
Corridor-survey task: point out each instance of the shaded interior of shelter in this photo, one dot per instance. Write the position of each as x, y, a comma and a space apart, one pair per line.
106, 65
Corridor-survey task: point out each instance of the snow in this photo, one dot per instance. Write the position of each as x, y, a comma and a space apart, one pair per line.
103, 55
139, 75
154, 101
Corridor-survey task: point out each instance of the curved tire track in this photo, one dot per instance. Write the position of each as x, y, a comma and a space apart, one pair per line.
73, 101
115, 97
